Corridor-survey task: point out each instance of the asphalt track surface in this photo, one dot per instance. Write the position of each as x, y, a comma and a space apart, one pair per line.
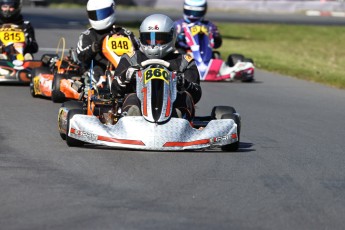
288, 173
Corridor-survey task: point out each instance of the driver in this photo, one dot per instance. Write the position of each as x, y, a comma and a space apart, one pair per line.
10, 13
157, 41
102, 16
194, 12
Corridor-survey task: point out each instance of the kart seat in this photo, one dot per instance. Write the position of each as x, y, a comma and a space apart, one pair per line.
46, 58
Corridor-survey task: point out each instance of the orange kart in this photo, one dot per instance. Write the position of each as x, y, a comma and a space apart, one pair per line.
99, 101
58, 78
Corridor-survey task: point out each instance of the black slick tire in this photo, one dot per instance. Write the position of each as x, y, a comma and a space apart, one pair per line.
57, 95
70, 140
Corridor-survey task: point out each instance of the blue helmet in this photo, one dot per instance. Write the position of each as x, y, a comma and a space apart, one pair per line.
194, 10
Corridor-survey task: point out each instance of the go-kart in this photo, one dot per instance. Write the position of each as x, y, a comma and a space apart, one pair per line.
210, 65
15, 67
59, 77
100, 121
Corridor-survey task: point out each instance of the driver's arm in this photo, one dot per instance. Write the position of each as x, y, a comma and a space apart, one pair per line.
191, 74
118, 85
217, 38
31, 46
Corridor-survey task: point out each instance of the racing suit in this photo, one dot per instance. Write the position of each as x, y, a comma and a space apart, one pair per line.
189, 90
29, 33
86, 52
181, 44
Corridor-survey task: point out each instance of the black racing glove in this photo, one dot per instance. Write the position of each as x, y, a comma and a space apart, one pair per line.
95, 47
130, 74
28, 39
182, 83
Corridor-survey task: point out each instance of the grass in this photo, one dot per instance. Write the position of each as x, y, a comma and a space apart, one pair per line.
314, 53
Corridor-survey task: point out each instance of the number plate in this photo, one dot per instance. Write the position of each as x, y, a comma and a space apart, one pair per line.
8, 37
156, 73
120, 45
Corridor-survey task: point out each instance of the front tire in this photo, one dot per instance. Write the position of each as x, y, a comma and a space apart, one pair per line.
70, 105
70, 140
233, 147
35, 72
32, 88
248, 60
228, 112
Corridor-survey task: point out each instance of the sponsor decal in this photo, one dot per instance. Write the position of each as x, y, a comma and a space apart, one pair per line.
197, 29
223, 138
188, 57
88, 136
156, 27
36, 81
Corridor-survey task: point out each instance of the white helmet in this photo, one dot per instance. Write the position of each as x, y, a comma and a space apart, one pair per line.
194, 10
101, 13
157, 36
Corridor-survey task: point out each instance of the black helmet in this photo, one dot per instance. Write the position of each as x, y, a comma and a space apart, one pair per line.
8, 14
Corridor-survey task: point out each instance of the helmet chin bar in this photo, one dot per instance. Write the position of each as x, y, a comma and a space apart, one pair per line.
159, 53
153, 53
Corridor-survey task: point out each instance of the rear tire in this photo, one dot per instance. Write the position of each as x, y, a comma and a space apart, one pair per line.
248, 60
32, 88
216, 55
73, 105
219, 111
35, 72
70, 140
234, 58
57, 95
249, 78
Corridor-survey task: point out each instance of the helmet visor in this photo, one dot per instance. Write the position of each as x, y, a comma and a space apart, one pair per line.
11, 4
100, 14
194, 11
155, 38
